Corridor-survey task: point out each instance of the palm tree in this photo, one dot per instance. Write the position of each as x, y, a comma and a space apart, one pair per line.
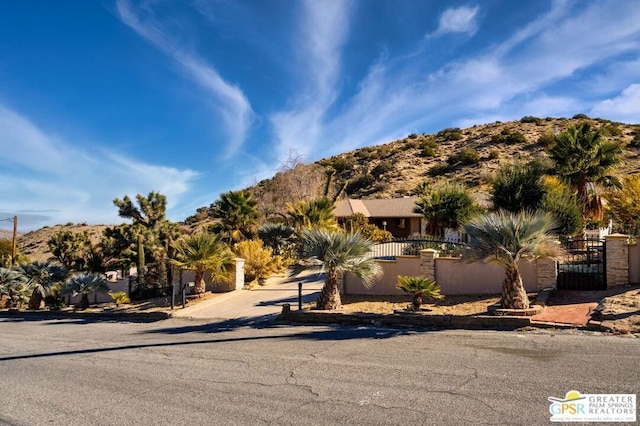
419, 288
14, 285
506, 238
313, 214
41, 277
201, 253
84, 284
336, 253
446, 206
584, 159
279, 237
238, 215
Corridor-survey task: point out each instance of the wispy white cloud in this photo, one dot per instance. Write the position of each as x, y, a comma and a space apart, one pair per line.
322, 31
232, 105
460, 20
625, 107
71, 182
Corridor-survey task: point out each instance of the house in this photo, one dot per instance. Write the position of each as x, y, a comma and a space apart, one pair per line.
395, 215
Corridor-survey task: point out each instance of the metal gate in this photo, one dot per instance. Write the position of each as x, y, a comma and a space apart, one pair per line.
583, 265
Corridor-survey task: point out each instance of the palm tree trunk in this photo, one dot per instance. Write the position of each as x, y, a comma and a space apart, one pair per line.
514, 295
329, 298
35, 300
84, 301
200, 286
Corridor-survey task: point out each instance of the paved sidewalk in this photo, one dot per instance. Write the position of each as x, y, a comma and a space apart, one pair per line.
262, 302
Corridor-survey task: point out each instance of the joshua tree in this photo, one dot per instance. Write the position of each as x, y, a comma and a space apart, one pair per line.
68, 248
419, 288
84, 284
336, 253
505, 238
584, 159
41, 277
203, 252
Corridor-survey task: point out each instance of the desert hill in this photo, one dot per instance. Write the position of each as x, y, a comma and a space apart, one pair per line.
396, 168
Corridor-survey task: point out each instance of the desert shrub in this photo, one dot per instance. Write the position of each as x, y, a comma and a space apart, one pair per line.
450, 134
547, 139
465, 156
611, 129
411, 143
412, 136
439, 169
580, 116
359, 223
494, 154
509, 137
259, 261
119, 297
363, 181
635, 142
531, 119
429, 148
341, 163
382, 168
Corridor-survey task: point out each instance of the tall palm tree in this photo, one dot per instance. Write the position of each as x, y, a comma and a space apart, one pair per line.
584, 159
238, 215
505, 238
84, 284
41, 277
204, 252
317, 213
14, 285
336, 253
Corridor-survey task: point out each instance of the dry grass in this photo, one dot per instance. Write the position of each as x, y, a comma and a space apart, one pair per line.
452, 305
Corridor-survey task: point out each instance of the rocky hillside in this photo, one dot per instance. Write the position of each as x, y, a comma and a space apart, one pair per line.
396, 168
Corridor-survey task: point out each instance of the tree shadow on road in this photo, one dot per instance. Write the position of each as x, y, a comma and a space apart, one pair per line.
219, 330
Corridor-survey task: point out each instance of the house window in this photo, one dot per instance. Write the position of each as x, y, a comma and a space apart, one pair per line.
400, 223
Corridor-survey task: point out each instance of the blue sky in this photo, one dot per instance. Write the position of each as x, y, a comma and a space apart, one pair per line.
99, 99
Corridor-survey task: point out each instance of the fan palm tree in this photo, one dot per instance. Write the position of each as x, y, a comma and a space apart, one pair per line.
203, 252
13, 285
584, 159
419, 288
336, 253
313, 214
279, 237
41, 277
84, 284
238, 215
505, 238
446, 206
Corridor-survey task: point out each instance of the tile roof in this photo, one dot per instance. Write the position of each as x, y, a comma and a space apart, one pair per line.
391, 207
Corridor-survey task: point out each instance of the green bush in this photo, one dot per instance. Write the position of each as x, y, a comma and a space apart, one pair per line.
450, 134
382, 168
429, 148
611, 129
363, 181
412, 136
547, 139
341, 163
509, 137
531, 119
581, 117
494, 154
465, 156
635, 142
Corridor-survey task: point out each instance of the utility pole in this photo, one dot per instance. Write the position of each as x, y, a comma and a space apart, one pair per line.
15, 240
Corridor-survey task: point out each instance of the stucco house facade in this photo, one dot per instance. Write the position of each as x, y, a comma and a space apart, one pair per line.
395, 215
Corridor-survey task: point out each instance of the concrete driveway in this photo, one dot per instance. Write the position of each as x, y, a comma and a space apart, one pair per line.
260, 303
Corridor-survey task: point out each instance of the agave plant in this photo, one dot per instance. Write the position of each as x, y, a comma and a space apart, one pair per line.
419, 288
84, 284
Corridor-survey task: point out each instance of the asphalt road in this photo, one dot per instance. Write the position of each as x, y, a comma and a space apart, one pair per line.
174, 372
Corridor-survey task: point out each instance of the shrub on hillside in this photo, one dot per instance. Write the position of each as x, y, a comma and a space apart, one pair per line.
509, 137
635, 142
580, 116
465, 156
531, 119
382, 168
450, 134
429, 148
439, 169
363, 181
546, 139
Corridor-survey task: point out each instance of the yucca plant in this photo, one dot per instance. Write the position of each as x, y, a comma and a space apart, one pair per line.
505, 238
335, 253
119, 297
420, 288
